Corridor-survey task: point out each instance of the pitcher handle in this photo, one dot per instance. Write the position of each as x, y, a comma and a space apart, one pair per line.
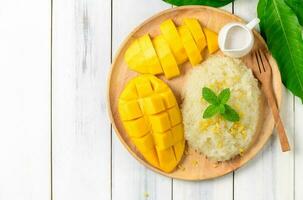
253, 23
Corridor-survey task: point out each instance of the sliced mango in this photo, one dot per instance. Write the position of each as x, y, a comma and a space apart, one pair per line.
196, 31
135, 59
150, 56
167, 60
171, 35
212, 40
153, 121
190, 46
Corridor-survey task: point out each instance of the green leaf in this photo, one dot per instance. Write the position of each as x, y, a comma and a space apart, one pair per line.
209, 96
221, 109
224, 96
283, 34
230, 114
210, 111
213, 3
297, 7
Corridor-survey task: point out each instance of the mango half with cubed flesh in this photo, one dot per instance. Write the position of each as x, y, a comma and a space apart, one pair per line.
152, 119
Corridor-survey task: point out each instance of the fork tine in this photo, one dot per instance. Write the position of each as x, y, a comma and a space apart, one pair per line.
256, 60
261, 61
265, 60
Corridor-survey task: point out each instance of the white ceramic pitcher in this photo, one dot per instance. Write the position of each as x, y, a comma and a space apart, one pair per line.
236, 40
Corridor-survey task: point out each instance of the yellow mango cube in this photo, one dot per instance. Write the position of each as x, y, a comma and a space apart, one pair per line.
167, 159
135, 59
179, 149
145, 143
130, 92
190, 46
152, 61
167, 60
163, 140
152, 157
169, 99
174, 115
129, 110
178, 133
212, 40
137, 128
158, 85
160, 122
171, 35
144, 87
153, 105
196, 31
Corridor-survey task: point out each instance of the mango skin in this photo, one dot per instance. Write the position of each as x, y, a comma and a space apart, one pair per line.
153, 121
212, 40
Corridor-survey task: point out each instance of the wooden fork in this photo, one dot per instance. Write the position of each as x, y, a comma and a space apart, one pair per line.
262, 71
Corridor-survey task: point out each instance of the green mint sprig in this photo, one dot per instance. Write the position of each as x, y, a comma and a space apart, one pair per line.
218, 105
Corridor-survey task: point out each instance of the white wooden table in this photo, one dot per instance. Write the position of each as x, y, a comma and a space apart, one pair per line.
56, 141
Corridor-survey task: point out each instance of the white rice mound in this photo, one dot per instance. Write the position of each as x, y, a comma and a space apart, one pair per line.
217, 138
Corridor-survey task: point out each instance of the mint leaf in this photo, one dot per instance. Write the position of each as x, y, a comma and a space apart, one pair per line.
224, 96
209, 96
230, 114
221, 109
210, 111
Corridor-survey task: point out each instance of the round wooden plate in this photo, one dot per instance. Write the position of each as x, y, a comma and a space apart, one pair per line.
193, 166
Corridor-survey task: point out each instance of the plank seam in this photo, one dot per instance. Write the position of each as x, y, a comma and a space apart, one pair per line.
51, 102
111, 128
294, 147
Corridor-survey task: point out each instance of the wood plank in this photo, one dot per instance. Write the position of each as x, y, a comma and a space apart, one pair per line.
81, 129
131, 180
270, 175
208, 189
25, 99
298, 149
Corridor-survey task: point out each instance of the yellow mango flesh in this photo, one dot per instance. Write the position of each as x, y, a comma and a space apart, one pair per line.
153, 121
212, 40
196, 31
171, 35
152, 61
134, 57
167, 60
190, 46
